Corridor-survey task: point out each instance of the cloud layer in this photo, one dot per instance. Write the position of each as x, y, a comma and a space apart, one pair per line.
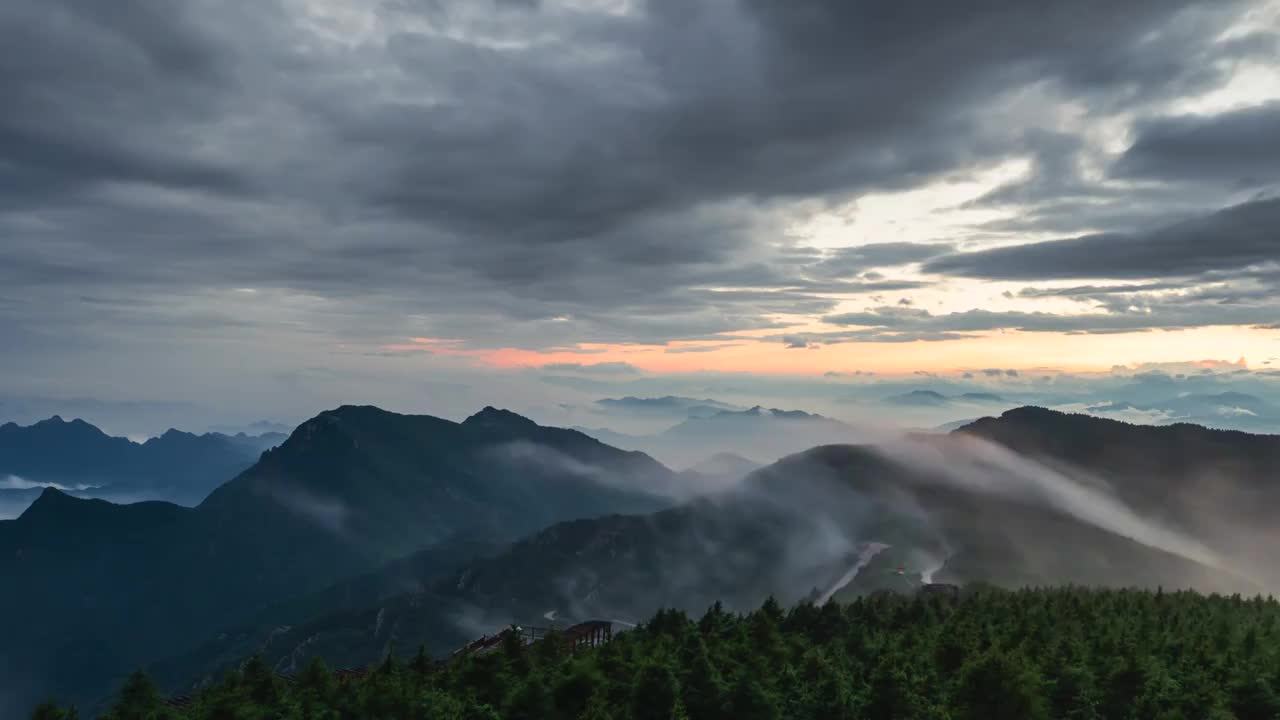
296, 185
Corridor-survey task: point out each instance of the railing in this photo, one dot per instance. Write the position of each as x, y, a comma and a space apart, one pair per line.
591, 633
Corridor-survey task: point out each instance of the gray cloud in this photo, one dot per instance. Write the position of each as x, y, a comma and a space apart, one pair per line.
686, 107
1171, 314
1085, 292
996, 372
1240, 148
82, 103
798, 342
516, 173
1056, 173
850, 261
681, 349
1232, 238
881, 334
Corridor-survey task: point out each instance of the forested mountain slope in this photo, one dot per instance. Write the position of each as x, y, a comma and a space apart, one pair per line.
835, 521
108, 587
989, 655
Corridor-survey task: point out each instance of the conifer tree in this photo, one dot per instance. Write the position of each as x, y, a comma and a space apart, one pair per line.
750, 701
703, 691
139, 700
421, 663
655, 693
530, 701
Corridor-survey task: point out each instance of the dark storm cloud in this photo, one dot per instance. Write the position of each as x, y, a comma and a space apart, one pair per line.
1062, 193
1121, 211
1239, 148
516, 173
764, 102
1235, 237
100, 92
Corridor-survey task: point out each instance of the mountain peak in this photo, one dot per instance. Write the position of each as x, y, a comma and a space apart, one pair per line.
795, 415
725, 463
49, 503
59, 421
919, 397
356, 415
1026, 414
350, 411
51, 494
175, 434
491, 417
759, 411
1031, 412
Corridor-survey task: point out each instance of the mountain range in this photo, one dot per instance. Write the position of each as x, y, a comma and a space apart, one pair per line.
106, 587
1227, 410
1016, 500
367, 532
667, 406
757, 434
932, 398
75, 456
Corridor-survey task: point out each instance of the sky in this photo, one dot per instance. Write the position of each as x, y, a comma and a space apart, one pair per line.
236, 210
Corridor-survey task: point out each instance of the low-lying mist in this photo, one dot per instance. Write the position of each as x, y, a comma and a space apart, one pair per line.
982, 466
837, 514
888, 509
14, 482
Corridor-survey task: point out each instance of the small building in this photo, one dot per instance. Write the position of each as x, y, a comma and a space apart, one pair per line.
951, 592
591, 633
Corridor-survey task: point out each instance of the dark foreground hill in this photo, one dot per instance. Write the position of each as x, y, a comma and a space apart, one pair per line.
836, 521
105, 588
987, 655
177, 466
